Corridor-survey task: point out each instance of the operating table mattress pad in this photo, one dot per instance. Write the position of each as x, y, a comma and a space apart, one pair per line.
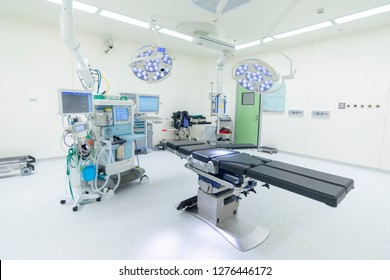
318, 175
175, 145
326, 192
237, 163
187, 150
209, 154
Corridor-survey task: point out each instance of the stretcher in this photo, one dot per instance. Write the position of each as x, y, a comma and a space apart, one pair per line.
225, 176
22, 163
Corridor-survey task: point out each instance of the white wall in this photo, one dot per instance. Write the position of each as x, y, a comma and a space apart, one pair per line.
353, 69
34, 63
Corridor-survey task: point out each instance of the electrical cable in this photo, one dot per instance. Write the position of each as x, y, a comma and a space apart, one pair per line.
136, 148
69, 160
108, 85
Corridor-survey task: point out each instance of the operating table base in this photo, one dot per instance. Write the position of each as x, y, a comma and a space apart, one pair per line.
241, 233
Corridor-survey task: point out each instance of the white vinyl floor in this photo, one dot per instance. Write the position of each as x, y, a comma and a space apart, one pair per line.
140, 221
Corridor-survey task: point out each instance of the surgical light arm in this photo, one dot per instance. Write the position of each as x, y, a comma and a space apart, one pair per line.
68, 37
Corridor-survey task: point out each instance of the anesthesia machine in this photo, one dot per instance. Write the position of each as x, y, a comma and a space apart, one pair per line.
101, 146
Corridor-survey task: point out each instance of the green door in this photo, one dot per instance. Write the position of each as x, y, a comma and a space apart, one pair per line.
247, 116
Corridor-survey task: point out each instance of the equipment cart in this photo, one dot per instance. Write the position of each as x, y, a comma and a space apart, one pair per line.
22, 163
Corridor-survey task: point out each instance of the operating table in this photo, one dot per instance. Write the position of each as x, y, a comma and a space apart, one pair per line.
225, 176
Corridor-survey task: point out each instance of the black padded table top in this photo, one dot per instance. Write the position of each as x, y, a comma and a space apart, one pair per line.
326, 192
187, 150
237, 163
236, 146
187, 147
325, 177
174, 145
209, 154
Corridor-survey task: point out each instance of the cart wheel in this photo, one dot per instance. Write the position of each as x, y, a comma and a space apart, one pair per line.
62, 201
144, 179
75, 208
25, 171
98, 199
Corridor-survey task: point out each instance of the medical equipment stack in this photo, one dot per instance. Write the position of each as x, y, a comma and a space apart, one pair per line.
101, 154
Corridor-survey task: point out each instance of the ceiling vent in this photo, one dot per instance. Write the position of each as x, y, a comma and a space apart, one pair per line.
219, 6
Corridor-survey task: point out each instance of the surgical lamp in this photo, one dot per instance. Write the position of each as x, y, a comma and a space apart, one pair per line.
255, 75
151, 63
258, 76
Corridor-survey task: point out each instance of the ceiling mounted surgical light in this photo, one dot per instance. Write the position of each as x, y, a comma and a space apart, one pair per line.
255, 75
151, 63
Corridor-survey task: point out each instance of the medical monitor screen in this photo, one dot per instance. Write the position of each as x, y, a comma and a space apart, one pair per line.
73, 102
148, 103
121, 114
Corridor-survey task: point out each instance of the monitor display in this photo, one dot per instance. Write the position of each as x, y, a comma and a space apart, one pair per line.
73, 102
148, 103
121, 114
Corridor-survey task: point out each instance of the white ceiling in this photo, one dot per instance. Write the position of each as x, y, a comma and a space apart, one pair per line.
244, 24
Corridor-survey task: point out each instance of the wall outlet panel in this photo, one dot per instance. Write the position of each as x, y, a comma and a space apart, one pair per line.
296, 113
320, 114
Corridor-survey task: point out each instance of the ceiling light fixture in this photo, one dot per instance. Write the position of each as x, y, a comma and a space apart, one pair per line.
151, 63
255, 75
364, 14
254, 43
79, 6
303, 30
125, 19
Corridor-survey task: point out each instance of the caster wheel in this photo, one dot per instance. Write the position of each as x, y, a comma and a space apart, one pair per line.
75, 208
25, 171
144, 179
63, 201
98, 199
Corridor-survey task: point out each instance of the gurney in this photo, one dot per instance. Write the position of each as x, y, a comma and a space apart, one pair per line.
22, 163
225, 176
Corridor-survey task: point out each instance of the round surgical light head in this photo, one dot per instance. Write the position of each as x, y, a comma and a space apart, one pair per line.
255, 75
152, 64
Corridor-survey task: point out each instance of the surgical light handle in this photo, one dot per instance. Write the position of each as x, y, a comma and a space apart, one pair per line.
68, 37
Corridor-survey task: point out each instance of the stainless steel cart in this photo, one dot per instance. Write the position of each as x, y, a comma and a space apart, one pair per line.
22, 163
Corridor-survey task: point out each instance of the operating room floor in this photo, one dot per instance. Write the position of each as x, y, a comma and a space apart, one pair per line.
140, 221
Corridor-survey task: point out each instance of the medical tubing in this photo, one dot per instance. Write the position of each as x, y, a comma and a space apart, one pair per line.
99, 80
69, 159
111, 158
117, 184
108, 85
103, 149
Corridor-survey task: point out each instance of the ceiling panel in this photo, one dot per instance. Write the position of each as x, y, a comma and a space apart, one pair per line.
244, 24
